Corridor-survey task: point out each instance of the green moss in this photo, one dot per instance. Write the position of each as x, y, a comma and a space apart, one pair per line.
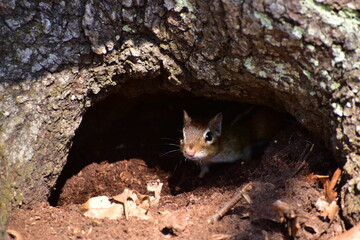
326, 74
338, 54
346, 21
307, 74
309, 7
127, 28
281, 72
298, 32
314, 62
334, 86
262, 74
9, 197
180, 4
337, 109
323, 85
349, 13
310, 47
5, 191
249, 63
264, 19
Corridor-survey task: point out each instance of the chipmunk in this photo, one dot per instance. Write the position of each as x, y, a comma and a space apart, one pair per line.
209, 142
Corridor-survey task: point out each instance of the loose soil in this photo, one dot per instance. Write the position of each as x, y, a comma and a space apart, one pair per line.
187, 202
124, 144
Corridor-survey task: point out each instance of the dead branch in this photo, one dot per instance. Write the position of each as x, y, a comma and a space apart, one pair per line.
231, 203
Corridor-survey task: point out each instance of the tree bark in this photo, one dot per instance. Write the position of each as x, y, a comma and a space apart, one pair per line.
59, 57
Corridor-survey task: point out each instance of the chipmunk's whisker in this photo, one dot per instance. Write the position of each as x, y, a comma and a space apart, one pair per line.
177, 166
172, 144
168, 152
170, 139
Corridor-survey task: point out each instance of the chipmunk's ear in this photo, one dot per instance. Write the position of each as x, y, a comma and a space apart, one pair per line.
187, 118
215, 124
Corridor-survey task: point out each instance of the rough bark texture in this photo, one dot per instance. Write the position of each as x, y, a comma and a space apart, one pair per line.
58, 57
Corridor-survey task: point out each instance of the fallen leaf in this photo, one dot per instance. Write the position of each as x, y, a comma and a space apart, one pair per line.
326, 209
134, 203
101, 207
155, 187
321, 204
332, 210
312, 177
329, 186
129, 203
327, 205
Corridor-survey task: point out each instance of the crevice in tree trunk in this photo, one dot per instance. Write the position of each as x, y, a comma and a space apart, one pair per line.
144, 126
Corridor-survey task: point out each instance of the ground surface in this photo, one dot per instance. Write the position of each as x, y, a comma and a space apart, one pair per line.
187, 202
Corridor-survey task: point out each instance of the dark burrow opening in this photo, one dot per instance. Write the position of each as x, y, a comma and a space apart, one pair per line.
124, 142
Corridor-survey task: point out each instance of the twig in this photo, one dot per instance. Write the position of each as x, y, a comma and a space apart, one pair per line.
303, 158
231, 203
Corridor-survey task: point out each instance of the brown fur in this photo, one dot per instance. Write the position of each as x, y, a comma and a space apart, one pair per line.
229, 143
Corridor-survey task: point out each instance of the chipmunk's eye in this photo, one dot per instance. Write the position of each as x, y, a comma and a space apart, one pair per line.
208, 137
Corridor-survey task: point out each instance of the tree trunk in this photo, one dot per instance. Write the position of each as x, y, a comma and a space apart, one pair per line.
59, 57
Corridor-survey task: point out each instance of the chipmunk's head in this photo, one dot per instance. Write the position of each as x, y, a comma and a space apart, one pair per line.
201, 140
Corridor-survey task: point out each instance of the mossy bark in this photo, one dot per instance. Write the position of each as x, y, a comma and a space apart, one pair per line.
59, 57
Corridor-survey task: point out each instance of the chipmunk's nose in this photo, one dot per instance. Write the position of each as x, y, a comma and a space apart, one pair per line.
190, 151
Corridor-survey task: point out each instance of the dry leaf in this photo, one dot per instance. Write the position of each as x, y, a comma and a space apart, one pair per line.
155, 187
134, 203
327, 204
101, 207
129, 203
312, 177
332, 210
328, 210
329, 186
